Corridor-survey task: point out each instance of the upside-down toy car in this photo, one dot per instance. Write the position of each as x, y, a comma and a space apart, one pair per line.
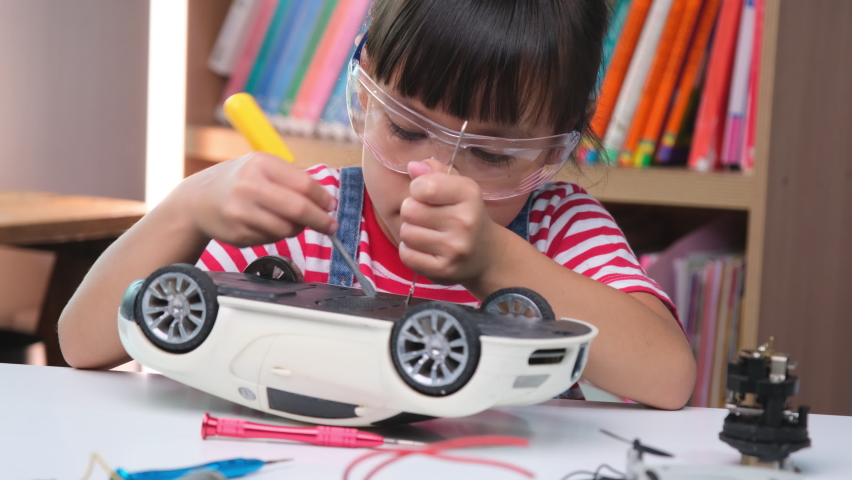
333, 355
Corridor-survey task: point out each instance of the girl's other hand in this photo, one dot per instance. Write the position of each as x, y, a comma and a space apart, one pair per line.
257, 199
446, 234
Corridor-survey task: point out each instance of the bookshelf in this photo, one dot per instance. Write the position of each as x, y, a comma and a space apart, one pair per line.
797, 202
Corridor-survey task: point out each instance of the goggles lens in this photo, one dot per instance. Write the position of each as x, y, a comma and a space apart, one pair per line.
397, 135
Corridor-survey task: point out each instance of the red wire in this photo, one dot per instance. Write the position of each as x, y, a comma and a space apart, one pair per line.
436, 451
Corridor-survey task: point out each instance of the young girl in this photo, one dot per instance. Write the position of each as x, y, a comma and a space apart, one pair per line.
521, 73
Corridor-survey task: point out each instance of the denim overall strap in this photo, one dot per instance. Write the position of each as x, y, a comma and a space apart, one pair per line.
350, 202
521, 224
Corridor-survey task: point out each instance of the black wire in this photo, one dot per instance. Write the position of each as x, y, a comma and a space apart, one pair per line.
596, 475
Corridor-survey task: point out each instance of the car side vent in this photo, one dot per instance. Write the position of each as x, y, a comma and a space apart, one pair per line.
547, 356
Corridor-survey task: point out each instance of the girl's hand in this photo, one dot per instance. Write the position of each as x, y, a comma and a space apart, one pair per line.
446, 234
257, 199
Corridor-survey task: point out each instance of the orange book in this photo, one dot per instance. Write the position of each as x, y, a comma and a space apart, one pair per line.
704, 155
691, 70
663, 98
652, 82
619, 63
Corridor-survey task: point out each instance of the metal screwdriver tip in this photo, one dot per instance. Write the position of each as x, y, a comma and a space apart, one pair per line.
278, 461
397, 441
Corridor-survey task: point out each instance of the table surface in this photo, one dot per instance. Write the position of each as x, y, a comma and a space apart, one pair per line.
54, 418
31, 218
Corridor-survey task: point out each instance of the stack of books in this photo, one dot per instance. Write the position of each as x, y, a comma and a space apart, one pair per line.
292, 56
679, 84
704, 274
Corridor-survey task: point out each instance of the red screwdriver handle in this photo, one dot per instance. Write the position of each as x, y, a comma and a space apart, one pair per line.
321, 435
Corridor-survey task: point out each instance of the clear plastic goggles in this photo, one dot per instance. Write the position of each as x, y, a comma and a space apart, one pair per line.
397, 135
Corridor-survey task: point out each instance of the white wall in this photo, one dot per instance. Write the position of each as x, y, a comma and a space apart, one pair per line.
73, 81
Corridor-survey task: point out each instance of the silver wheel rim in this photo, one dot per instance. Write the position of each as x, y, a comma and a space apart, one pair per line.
173, 308
514, 304
432, 348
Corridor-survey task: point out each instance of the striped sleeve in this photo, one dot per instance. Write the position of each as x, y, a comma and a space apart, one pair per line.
576, 231
309, 250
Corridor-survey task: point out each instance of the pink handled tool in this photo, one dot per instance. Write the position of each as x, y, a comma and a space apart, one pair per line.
321, 435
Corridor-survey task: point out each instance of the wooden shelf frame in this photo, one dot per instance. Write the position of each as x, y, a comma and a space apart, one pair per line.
798, 198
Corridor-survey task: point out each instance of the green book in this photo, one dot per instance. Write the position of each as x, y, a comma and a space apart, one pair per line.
307, 57
272, 33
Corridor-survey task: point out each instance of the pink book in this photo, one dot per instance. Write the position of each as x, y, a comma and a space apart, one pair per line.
257, 31
329, 60
747, 162
732, 142
708, 332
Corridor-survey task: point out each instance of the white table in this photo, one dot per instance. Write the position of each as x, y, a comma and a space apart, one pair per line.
53, 418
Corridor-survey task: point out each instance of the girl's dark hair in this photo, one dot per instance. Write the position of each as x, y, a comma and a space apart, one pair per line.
492, 60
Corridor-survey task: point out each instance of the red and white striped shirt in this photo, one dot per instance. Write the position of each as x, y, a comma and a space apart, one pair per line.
566, 224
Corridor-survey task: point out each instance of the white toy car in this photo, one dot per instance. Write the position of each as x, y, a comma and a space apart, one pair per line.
332, 355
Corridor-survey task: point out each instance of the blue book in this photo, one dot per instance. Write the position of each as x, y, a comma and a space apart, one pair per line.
279, 41
306, 20
272, 32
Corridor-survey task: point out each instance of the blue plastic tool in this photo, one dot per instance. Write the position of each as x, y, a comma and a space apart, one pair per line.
228, 468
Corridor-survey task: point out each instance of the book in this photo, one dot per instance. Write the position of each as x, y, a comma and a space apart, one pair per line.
689, 86
304, 62
232, 36
732, 140
719, 354
619, 16
279, 35
334, 122
647, 144
274, 34
634, 81
652, 82
619, 63
251, 48
330, 59
295, 46
704, 154
710, 305
747, 154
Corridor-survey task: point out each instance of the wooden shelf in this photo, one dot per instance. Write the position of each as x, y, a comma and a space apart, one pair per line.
652, 186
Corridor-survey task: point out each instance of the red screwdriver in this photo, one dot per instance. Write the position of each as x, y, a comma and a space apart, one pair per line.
321, 435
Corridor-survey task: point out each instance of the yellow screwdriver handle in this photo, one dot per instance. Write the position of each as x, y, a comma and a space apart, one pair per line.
247, 117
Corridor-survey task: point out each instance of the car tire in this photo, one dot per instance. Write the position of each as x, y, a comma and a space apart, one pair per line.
177, 307
518, 301
275, 267
435, 348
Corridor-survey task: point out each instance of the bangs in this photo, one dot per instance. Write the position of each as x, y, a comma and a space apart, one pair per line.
497, 61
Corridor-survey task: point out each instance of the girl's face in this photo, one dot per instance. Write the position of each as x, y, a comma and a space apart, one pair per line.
388, 188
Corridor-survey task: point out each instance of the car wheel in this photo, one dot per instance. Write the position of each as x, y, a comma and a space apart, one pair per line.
176, 307
518, 301
275, 267
435, 348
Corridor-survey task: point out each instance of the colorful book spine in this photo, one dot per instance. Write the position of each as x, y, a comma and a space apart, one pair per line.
634, 81
295, 45
652, 83
619, 64
330, 58
273, 40
251, 48
334, 121
305, 61
732, 141
663, 99
689, 80
754, 77
704, 154
619, 16
708, 331
232, 36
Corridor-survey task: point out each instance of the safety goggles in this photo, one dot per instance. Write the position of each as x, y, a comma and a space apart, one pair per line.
396, 135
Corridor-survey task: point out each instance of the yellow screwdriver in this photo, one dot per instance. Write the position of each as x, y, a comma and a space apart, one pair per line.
248, 119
